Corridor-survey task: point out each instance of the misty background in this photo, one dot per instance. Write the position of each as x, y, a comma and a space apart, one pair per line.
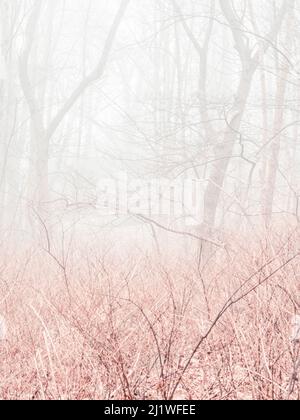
205, 90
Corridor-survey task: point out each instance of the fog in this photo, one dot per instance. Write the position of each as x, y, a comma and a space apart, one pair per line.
206, 91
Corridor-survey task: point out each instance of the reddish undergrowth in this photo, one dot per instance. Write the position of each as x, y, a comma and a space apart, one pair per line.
98, 327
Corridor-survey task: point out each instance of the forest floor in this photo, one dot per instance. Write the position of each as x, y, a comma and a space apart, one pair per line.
97, 327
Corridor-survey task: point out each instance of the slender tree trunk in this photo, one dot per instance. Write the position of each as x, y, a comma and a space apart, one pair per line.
9, 180
273, 161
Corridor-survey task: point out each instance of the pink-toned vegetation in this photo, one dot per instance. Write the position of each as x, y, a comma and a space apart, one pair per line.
100, 327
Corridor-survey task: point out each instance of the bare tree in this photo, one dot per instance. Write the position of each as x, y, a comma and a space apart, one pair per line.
41, 135
249, 61
279, 118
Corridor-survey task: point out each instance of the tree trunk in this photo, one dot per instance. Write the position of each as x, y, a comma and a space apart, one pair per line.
272, 165
224, 150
